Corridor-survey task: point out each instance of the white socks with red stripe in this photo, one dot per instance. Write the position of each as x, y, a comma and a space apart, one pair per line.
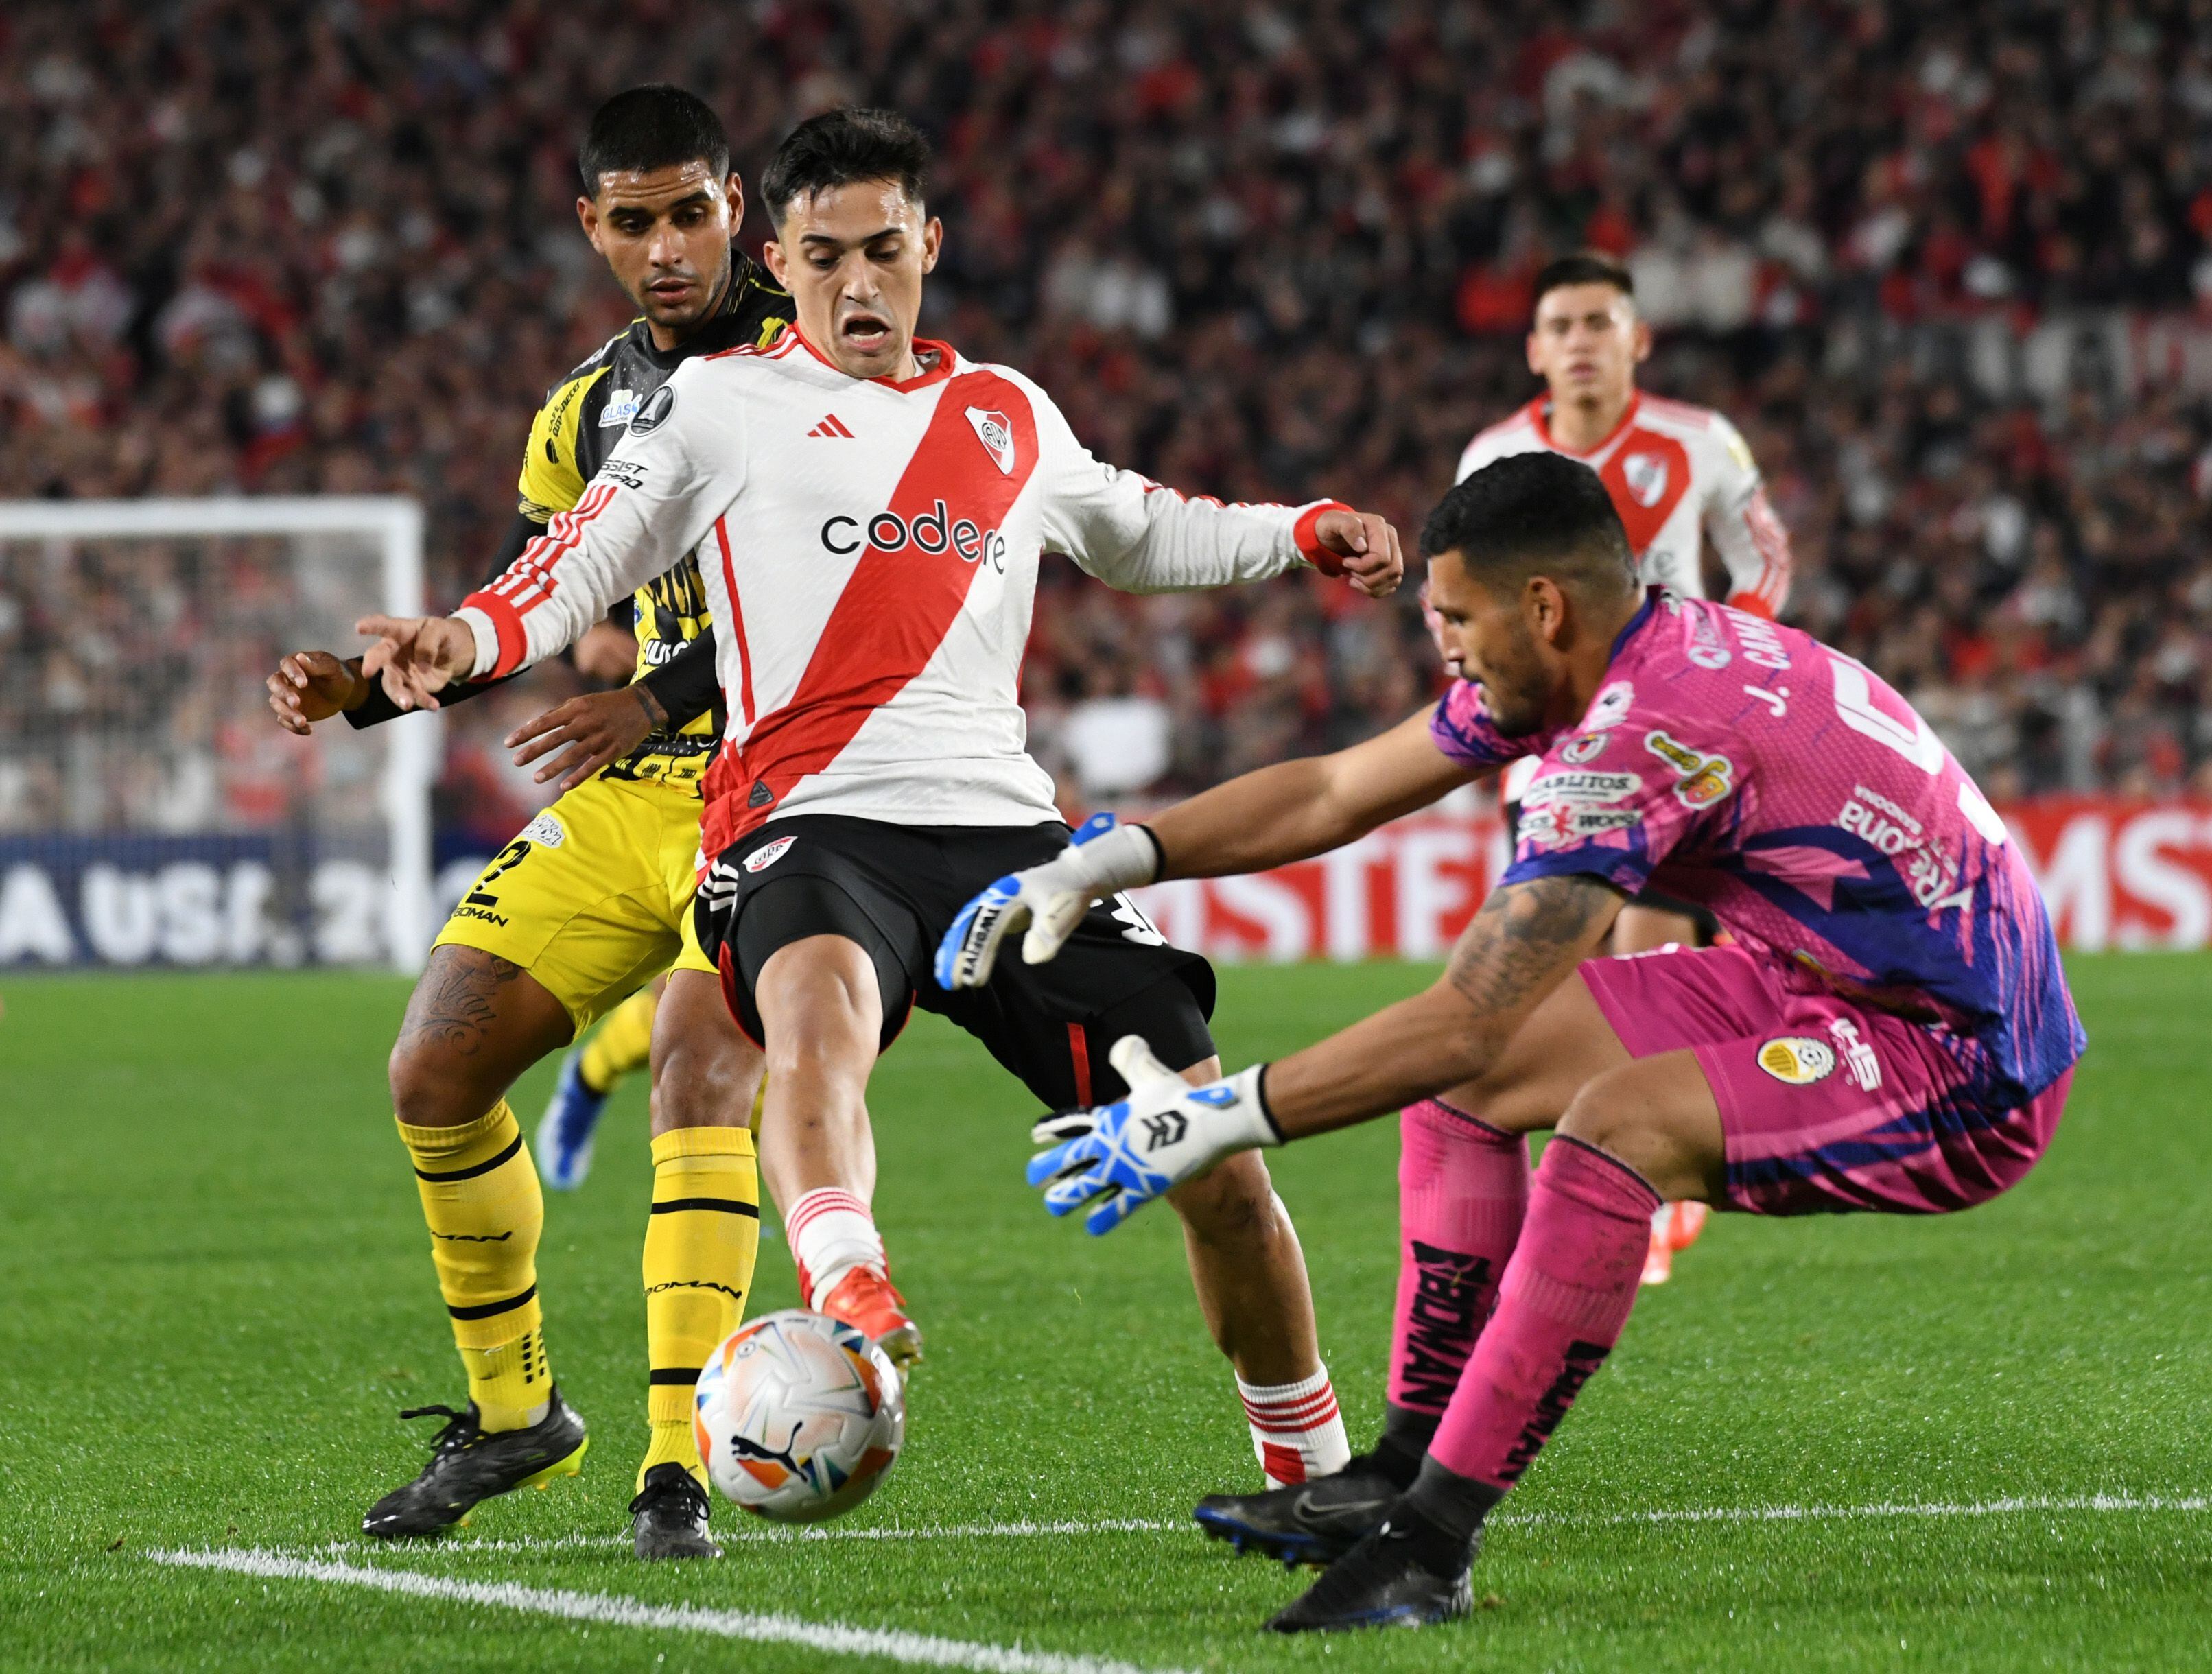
831, 1233
1296, 1431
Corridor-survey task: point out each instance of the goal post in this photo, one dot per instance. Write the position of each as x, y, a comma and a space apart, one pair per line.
146, 816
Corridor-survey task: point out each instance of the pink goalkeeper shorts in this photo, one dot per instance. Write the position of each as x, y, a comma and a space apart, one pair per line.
1827, 1106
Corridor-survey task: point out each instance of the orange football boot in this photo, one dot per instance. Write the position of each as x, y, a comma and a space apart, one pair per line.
867, 1299
1674, 1226
1685, 1221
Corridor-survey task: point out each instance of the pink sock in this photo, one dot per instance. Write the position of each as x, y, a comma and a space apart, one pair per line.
1463, 1188
1564, 1297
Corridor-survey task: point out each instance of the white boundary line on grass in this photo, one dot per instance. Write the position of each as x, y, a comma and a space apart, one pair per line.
2097, 1502
1027, 1530
758, 1535
923, 1650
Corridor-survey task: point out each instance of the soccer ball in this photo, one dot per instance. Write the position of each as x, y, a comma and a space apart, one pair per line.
798, 1417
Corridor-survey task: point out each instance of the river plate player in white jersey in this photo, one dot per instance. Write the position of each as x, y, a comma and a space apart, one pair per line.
1681, 479
867, 512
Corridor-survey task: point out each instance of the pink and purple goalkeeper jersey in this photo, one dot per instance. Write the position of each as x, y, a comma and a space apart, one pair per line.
1744, 767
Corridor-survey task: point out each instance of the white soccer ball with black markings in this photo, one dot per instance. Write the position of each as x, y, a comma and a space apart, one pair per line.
798, 1417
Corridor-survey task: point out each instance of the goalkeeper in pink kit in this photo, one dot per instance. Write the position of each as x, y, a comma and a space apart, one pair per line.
1890, 1031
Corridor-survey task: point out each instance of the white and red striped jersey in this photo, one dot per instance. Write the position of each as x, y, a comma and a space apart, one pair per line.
1676, 473
870, 552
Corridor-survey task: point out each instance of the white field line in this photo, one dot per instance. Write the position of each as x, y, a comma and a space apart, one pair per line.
757, 1534
921, 1650
1029, 1531
2088, 1502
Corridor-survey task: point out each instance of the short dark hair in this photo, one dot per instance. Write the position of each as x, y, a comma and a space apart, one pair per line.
1533, 514
655, 126
840, 147
1584, 267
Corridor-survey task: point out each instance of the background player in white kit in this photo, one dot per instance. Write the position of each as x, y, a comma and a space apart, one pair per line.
1680, 478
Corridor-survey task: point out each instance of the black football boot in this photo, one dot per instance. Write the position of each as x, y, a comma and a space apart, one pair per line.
668, 1519
468, 1463
1309, 1522
1384, 1581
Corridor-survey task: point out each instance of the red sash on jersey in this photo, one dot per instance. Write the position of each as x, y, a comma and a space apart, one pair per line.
893, 615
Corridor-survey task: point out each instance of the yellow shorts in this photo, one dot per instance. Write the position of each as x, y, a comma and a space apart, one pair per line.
592, 897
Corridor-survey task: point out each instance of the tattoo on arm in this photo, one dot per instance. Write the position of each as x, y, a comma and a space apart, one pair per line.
456, 1001
1515, 949
650, 704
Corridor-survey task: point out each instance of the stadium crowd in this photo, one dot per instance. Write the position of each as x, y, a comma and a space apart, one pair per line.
1949, 269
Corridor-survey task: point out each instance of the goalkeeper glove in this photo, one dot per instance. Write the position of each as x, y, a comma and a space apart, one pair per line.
1105, 857
1121, 1156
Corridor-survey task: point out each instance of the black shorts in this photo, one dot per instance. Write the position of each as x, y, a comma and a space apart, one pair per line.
1708, 928
895, 889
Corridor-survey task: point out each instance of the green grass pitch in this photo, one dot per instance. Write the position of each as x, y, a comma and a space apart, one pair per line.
214, 1295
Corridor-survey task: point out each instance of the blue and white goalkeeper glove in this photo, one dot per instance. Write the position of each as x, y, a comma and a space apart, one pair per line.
1105, 858
1121, 1156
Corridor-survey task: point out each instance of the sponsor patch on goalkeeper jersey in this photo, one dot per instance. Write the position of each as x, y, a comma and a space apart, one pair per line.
1797, 1060
1584, 788
1558, 825
1704, 779
1610, 706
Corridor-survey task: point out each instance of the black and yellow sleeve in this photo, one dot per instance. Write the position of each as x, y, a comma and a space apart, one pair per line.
552, 478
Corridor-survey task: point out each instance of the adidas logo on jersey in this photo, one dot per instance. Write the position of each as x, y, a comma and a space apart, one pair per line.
831, 426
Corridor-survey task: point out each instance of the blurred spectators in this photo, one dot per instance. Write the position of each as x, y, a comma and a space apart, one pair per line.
1949, 268
130, 684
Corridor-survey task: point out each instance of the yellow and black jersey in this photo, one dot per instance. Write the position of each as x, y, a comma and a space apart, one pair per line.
585, 415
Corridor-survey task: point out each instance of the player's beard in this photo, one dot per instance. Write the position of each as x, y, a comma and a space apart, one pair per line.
1514, 686
715, 287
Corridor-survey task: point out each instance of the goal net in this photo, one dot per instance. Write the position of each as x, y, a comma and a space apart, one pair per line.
151, 811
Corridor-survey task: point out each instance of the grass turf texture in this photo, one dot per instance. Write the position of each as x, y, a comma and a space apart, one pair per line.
214, 1295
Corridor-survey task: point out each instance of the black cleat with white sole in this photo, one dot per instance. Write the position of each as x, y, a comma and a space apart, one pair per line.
1310, 1522
1382, 1582
668, 1519
468, 1463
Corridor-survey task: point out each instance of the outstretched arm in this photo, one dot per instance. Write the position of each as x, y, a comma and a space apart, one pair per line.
1144, 537
1267, 818
1295, 809
370, 705
637, 517
1527, 940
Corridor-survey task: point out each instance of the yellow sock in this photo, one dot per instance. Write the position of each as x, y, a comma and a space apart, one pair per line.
480, 1196
700, 1245
622, 1042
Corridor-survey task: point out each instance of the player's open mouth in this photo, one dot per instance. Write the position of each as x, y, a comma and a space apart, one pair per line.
866, 331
